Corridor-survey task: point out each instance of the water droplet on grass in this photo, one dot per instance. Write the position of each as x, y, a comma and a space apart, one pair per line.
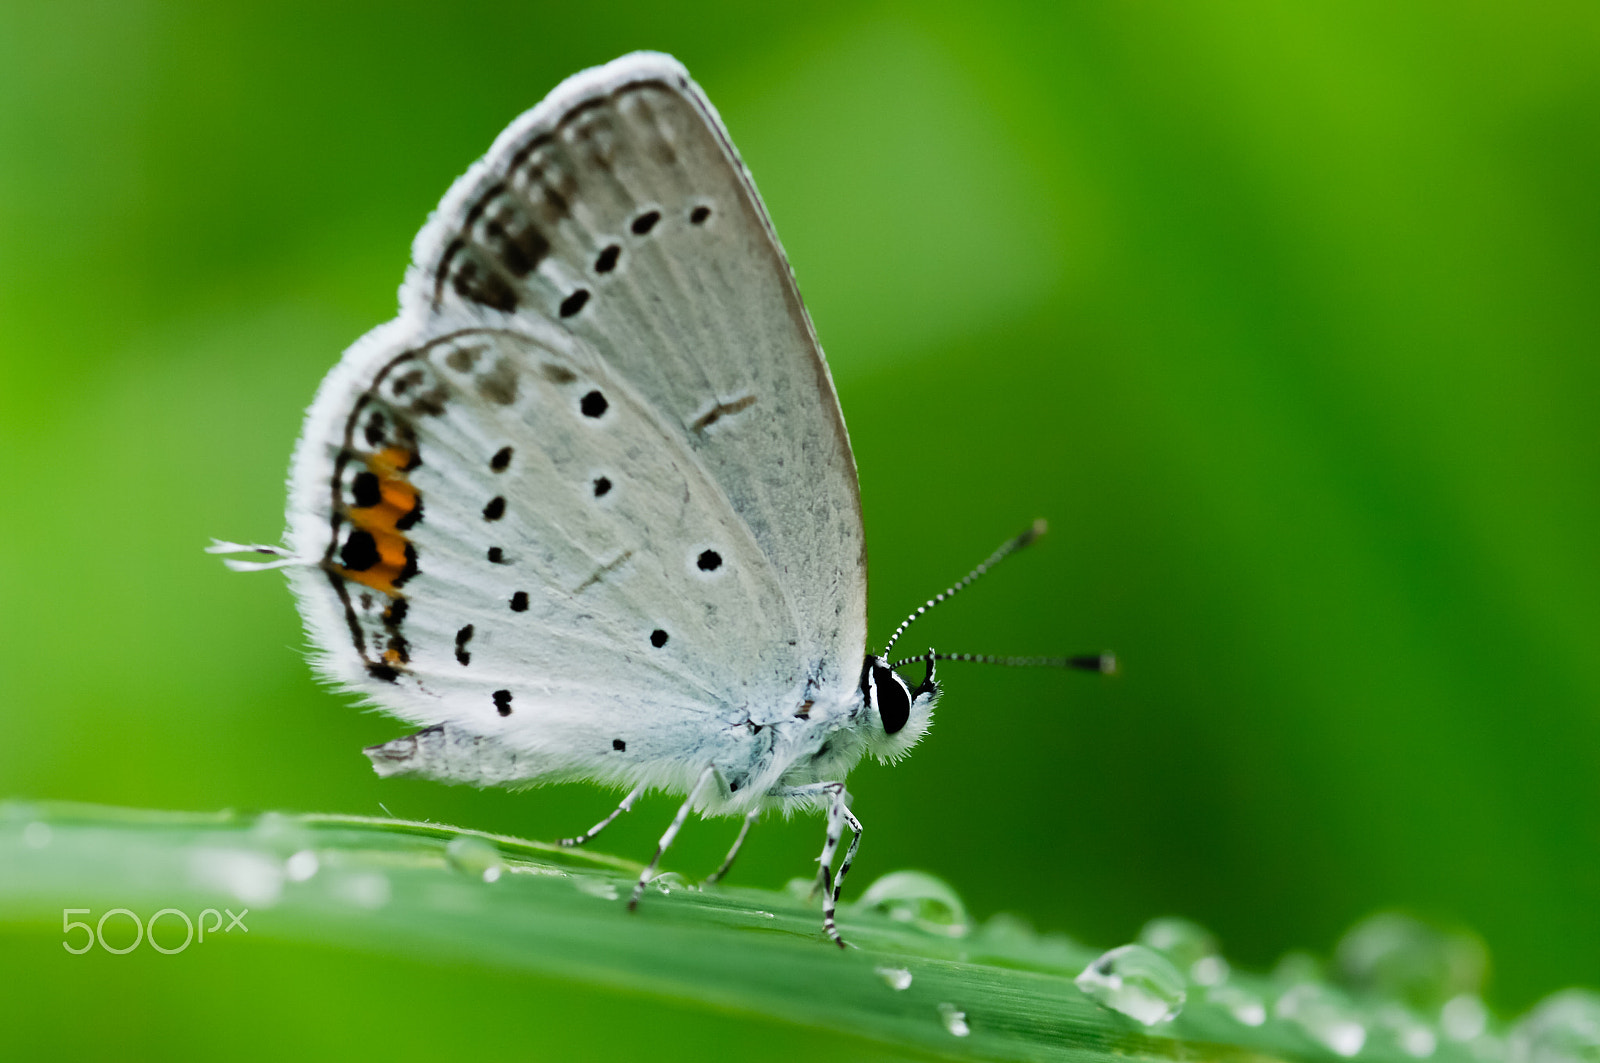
919, 899
606, 891
1003, 929
1137, 981
668, 881
1415, 1037
301, 865
897, 978
1393, 955
1182, 941
1245, 1007
1563, 1028
476, 857
250, 876
1325, 1016
954, 1021
1189, 945
1464, 1017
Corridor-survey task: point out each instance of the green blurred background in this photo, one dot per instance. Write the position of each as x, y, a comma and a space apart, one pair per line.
1286, 317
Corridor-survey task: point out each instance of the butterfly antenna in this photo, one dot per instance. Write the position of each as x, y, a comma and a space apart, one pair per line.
1104, 663
1010, 547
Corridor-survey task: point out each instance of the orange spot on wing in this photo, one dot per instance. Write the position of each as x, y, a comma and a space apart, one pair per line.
398, 499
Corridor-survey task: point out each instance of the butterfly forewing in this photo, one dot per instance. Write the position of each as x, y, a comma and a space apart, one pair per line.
590, 496
619, 210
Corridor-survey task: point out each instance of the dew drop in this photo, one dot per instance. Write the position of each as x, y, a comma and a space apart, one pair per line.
1137, 981
1562, 1028
475, 857
1404, 959
252, 877
1189, 945
955, 1021
919, 899
1005, 930
1463, 1017
1324, 1015
606, 891
896, 978
1246, 1008
667, 881
1414, 1037
301, 866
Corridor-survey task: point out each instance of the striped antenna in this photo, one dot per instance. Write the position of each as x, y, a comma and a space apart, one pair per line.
1104, 663
1012, 546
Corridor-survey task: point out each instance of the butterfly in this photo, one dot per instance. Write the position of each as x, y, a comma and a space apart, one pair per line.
586, 509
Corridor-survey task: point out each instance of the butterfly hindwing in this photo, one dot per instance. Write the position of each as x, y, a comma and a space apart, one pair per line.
514, 546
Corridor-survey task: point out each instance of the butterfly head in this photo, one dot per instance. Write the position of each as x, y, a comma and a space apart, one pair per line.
897, 714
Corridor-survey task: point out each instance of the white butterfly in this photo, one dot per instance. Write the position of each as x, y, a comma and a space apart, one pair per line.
587, 509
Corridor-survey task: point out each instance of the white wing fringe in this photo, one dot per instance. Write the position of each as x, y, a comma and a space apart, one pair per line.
281, 557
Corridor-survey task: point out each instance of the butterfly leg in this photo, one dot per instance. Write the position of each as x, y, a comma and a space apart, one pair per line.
839, 812
738, 843
666, 839
626, 806
839, 815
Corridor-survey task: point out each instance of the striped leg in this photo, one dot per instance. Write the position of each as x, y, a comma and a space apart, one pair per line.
839, 815
750, 817
626, 806
666, 839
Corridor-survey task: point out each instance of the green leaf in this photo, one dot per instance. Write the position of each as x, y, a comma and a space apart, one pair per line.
918, 977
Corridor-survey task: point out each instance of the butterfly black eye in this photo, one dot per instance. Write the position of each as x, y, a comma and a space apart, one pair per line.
892, 699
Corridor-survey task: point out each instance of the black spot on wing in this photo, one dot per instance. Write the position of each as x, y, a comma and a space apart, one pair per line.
619, 745
601, 486
519, 602
709, 561
698, 215
607, 259
495, 509
593, 404
502, 702
463, 637
574, 302
501, 459
360, 551
365, 489
497, 555
658, 638
645, 222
